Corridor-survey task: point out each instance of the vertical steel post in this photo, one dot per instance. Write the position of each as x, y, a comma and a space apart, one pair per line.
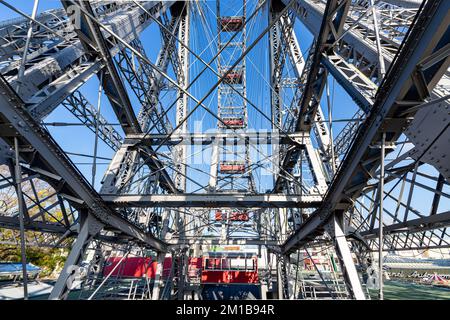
380, 219
377, 39
330, 124
160, 257
21, 219
27, 45
97, 117
345, 258
89, 227
181, 215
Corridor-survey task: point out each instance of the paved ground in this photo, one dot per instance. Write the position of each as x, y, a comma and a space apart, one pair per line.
398, 290
393, 290
15, 291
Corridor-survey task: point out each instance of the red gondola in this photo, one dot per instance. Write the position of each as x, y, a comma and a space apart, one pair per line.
134, 267
232, 167
232, 216
229, 268
213, 268
138, 267
233, 77
234, 122
231, 24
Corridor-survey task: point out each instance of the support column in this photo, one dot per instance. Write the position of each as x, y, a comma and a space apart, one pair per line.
89, 227
22, 209
182, 99
181, 151
345, 257
214, 165
275, 71
283, 277
283, 260
160, 258
380, 218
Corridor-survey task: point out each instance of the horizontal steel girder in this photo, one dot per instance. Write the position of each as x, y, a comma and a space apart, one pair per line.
91, 35
174, 243
428, 35
12, 222
312, 21
49, 156
217, 200
209, 138
405, 3
332, 24
56, 73
415, 225
352, 74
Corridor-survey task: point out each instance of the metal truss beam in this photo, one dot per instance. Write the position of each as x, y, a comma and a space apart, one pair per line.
286, 47
362, 51
360, 56
225, 138
332, 25
435, 238
320, 127
182, 99
81, 108
95, 43
217, 200
14, 223
89, 227
175, 243
55, 71
405, 3
408, 82
356, 61
112, 83
71, 66
316, 75
147, 86
345, 257
436, 221
276, 69
91, 35
48, 156
416, 247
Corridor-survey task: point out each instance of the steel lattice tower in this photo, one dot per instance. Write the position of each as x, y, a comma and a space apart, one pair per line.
350, 96
231, 166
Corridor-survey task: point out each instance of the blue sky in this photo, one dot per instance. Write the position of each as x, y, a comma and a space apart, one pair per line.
81, 140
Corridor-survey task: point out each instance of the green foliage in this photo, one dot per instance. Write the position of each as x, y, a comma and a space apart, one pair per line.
47, 259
